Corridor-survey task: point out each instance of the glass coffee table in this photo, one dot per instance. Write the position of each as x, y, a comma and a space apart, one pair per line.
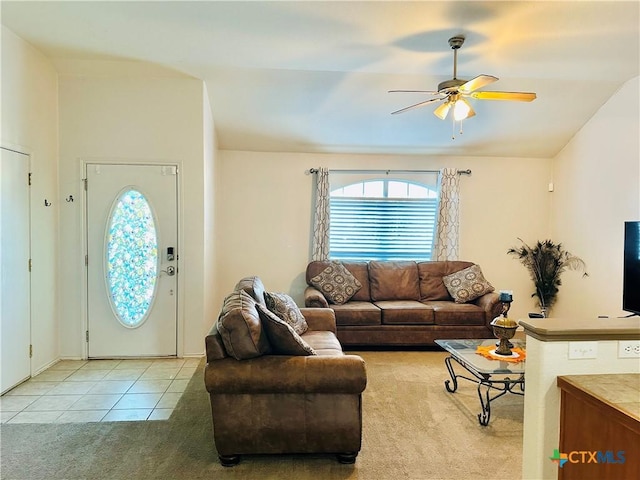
497, 376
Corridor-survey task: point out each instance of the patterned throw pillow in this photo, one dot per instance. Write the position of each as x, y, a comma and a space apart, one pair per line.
282, 337
336, 283
285, 308
467, 285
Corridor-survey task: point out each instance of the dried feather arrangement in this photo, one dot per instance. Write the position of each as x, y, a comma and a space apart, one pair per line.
546, 261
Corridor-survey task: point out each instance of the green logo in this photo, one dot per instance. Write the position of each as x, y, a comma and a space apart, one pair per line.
559, 458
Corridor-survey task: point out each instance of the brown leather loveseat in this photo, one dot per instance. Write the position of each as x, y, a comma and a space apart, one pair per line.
404, 303
266, 400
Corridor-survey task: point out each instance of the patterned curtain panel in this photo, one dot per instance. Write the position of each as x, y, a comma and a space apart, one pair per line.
448, 216
320, 245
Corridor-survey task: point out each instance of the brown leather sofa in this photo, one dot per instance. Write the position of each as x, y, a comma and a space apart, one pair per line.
404, 304
273, 403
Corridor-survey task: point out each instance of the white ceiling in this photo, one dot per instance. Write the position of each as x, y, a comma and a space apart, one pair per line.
313, 76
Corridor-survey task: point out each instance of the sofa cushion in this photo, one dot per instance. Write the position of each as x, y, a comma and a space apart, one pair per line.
282, 337
467, 284
394, 281
253, 286
323, 342
360, 270
405, 312
240, 327
431, 273
450, 313
336, 283
357, 313
284, 307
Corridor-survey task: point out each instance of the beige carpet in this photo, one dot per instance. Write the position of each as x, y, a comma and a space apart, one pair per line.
417, 430
413, 428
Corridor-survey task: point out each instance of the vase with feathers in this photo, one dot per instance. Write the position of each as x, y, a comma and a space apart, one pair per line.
546, 261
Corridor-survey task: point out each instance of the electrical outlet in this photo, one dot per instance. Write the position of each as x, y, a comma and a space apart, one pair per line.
629, 349
583, 350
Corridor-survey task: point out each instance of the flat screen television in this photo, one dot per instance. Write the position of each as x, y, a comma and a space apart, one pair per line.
631, 268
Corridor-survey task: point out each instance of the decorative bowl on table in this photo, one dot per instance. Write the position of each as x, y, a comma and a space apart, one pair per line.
504, 329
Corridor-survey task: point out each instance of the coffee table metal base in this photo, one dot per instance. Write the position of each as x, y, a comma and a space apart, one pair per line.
487, 383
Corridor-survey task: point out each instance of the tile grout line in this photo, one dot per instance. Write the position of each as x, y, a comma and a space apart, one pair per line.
183, 371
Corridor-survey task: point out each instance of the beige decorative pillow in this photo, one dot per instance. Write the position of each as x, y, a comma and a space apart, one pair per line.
240, 327
467, 285
284, 307
336, 283
282, 337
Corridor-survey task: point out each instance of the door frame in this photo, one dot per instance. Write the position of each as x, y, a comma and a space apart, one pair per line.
84, 162
20, 149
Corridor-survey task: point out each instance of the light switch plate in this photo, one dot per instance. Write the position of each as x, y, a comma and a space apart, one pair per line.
580, 350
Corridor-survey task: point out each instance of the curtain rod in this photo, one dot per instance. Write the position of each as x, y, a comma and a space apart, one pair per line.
460, 172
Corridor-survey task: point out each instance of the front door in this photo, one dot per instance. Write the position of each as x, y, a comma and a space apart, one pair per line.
15, 296
132, 260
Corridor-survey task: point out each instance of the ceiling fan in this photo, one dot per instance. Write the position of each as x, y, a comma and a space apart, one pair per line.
453, 92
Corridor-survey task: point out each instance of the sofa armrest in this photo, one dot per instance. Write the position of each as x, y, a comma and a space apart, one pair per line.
314, 298
491, 304
344, 374
320, 318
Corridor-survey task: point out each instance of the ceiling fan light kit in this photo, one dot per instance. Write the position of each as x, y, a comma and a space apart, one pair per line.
462, 110
453, 92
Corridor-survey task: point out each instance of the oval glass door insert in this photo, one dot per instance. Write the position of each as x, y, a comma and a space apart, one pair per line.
131, 258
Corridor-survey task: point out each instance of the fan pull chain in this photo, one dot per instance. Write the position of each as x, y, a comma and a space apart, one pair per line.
453, 129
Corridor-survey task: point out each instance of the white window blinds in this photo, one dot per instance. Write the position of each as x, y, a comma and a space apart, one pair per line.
383, 216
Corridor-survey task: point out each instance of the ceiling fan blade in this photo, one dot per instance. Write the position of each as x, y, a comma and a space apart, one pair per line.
433, 92
416, 105
517, 96
476, 83
442, 110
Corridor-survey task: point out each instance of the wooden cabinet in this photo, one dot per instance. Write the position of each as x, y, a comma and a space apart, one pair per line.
600, 426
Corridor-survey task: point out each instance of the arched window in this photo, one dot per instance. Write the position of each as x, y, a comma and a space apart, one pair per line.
383, 219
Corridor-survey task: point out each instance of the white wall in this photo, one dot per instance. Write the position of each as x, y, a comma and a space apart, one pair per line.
597, 188
30, 124
211, 177
122, 112
264, 214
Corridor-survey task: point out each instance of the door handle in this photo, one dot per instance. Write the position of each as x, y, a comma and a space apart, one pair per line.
171, 271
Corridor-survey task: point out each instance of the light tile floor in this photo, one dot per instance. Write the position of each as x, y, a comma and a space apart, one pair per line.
100, 391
